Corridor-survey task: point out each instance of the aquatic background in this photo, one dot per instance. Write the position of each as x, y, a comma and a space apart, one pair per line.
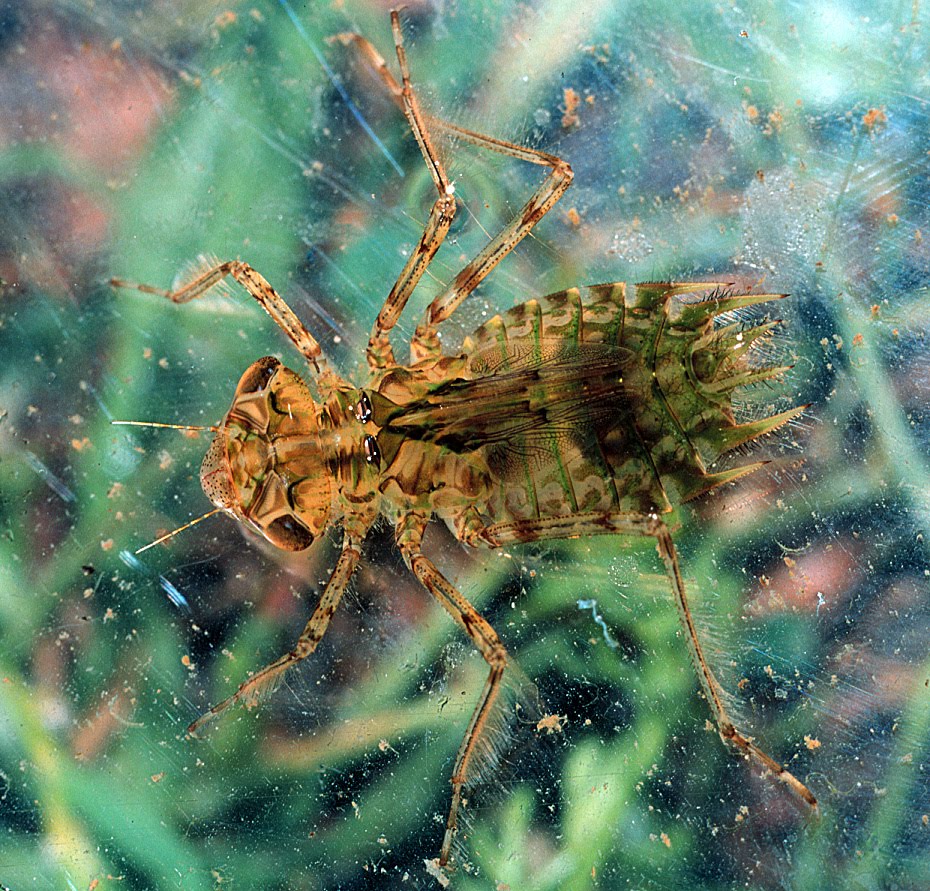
775, 145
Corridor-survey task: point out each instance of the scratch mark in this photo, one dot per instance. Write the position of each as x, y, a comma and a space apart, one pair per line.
52, 481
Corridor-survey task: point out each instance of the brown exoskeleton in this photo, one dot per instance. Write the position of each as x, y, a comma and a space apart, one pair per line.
591, 411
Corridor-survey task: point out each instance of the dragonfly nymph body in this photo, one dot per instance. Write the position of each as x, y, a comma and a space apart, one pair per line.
595, 410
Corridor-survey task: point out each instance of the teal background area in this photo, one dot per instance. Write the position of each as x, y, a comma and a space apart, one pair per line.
774, 145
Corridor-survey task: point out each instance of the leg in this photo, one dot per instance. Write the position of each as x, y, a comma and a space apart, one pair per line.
409, 534
262, 291
652, 526
380, 353
266, 679
424, 343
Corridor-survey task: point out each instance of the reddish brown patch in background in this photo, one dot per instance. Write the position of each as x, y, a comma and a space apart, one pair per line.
823, 576
93, 108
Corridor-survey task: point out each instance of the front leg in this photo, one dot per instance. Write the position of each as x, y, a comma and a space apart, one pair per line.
270, 676
257, 285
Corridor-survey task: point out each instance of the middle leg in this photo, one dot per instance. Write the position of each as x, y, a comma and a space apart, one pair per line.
424, 343
380, 354
409, 534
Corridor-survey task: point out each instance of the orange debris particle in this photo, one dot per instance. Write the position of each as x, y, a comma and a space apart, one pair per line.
874, 118
572, 100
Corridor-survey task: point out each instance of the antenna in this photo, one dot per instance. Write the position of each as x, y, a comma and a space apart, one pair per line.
174, 532
166, 426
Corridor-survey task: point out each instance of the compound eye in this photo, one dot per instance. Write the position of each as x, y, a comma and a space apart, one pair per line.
257, 376
214, 475
288, 534
363, 409
372, 452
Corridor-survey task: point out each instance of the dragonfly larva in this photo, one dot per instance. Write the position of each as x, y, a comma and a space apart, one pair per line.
595, 410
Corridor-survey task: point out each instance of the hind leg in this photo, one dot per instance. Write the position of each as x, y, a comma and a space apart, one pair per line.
651, 526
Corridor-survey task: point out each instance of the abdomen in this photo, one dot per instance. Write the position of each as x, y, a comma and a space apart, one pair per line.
611, 403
